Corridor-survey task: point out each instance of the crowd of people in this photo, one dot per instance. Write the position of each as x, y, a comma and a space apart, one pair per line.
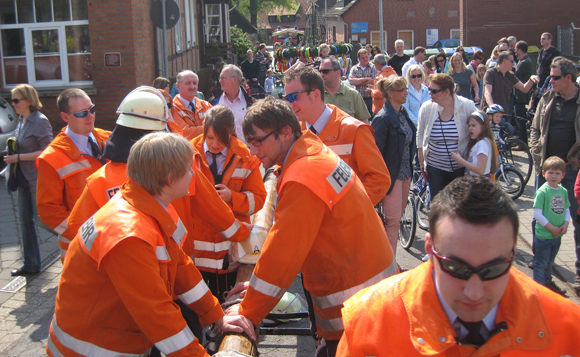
146, 213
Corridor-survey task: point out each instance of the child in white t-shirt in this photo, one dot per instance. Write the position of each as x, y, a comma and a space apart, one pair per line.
482, 159
269, 83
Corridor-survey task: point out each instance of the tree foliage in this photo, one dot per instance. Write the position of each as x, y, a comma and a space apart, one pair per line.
241, 42
251, 8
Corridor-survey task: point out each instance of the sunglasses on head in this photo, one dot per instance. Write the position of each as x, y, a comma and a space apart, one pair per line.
292, 97
84, 113
413, 76
16, 100
435, 91
464, 271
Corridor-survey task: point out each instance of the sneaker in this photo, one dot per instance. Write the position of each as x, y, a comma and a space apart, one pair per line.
555, 288
531, 264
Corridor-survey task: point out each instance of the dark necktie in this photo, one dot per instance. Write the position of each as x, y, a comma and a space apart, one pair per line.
313, 130
213, 166
192, 107
95, 151
474, 336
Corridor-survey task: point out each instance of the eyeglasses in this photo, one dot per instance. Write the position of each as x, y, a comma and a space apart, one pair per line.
292, 97
84, 113
258, 142
325, 71
16, 100
226, 78
435, 91
464, 271
413, 76
555, 78
440, 61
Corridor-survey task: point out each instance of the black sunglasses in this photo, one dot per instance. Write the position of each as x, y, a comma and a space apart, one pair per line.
325, 71
16, 100
84, 113
555, 78
292, 97
440, 60
435, 91
258, 142
413, 76
464, 271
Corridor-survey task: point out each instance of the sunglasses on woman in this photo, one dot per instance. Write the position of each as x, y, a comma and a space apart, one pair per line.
16, 100
464, 271
413, 76
435, 91
84, 113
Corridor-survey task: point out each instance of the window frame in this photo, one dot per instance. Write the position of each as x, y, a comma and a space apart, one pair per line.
412, 38
208, 23
458, 32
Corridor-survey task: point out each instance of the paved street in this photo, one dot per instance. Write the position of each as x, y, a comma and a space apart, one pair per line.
27, 304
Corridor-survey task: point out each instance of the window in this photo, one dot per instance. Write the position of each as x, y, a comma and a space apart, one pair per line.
454, 34
178, 33
213, 16
409, 37
45, 42
376, 38
190, 38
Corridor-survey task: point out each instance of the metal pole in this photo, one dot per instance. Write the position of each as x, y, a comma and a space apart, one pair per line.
382, 42
164, 52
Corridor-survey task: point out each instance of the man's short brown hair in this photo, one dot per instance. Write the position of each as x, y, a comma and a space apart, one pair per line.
63, 98
309, 77
270, 113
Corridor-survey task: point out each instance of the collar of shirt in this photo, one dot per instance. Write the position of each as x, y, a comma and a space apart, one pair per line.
488, 320
161, 203
240, 97
81, 141
221, 159
320, 123
385, 66
574, 99
186, 102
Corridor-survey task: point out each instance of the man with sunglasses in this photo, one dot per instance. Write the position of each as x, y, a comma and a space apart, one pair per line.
325, 225
63, 167
555, 131
466, 299
338, 93
348, 137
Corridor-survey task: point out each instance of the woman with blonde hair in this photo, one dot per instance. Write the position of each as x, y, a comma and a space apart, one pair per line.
395, 138
463, 77
492, 61
418, 92
33, 134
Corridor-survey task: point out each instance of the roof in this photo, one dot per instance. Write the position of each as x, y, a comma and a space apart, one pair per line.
240, 20
302, 10
339, 9
281, 11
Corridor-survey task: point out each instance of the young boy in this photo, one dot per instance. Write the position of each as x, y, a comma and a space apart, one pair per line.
552, 215
499, 127
269, 82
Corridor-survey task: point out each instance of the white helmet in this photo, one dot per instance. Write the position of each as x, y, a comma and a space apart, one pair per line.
144, 108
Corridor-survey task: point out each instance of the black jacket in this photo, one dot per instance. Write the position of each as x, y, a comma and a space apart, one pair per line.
545, 58
251, 70
523, 72
390, 139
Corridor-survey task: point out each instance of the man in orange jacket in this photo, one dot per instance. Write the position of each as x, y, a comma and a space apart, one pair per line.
115, 294
348, 137
385, 71
467, 300
64, 165
188, 110
319, 198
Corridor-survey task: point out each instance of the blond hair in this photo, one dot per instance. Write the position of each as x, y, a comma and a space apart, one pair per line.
451, 69
28, 93
391, 83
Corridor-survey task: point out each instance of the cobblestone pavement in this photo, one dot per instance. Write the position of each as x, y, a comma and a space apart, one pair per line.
27, 304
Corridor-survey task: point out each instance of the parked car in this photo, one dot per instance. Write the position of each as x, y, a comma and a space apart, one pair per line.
448, 47
8, 122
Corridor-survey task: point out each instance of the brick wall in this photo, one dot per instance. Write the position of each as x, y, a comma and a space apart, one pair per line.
417, 15
485, 22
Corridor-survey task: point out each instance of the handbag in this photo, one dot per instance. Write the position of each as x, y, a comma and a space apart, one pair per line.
16, 177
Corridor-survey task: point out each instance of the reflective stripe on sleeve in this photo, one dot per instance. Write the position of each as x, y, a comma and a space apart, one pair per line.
266, 288
63, 226
194, 294
251, 202
86, 348
52, 348
228, 233
179, 233
63, 239
336, 299
161, 253
212, 247
176, 342
209, 263
62, 253
243, 173
343, 149
329, 325
73, 167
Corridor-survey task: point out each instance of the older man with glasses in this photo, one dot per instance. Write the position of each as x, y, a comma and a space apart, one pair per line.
63, 167
234, 96
467, 299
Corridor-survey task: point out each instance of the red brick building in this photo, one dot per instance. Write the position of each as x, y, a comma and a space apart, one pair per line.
105, 47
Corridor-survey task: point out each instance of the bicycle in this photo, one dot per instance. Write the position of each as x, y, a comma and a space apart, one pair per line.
422, 197
517, 154
510, 179
408, 224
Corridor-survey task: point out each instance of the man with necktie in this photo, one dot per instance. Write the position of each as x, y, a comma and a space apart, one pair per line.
467, 299
63, 167
188, 110
349, 138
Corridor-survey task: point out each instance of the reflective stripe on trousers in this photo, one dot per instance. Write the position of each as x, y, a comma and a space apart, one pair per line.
209, 263
211, 247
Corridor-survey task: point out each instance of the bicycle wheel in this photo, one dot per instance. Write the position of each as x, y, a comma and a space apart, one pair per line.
520, 158
408, 225
423, 207
511, 181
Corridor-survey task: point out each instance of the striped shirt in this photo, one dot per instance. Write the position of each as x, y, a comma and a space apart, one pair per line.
442, 142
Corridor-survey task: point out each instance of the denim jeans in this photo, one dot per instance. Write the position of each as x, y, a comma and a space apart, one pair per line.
438, 178
27, 214
568, 183
546, 251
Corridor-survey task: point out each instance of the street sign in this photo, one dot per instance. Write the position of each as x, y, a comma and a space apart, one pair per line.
359, 27
171, 14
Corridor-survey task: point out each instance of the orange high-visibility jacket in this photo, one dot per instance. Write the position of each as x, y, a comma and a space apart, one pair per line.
62, 173
325, 227
191, 123
378, 99
242, 176
115, 293
402, 316
354, 142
